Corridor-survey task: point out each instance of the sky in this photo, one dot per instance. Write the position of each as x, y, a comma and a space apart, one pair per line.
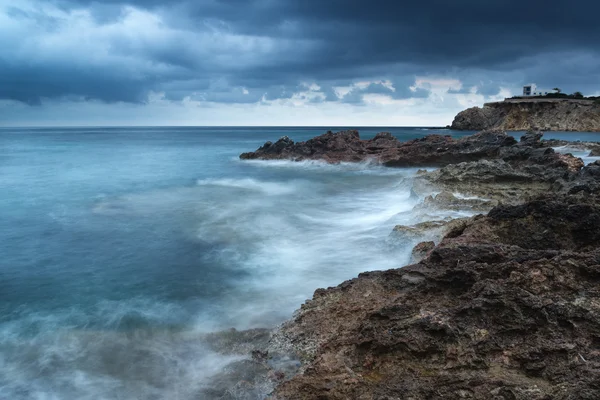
285, 62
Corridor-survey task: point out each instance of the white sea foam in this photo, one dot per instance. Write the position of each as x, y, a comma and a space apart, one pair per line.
466, 197
57, 357
280, 238
367, 167
317, 236
270, 188
577, 152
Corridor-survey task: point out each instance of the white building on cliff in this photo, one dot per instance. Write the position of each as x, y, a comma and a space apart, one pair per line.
533, 90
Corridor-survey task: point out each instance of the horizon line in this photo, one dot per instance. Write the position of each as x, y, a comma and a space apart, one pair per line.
222, 126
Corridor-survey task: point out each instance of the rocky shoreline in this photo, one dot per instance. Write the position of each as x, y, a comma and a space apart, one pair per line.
498, 306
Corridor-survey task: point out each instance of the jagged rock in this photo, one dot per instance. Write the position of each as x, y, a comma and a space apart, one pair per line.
346, 146
432, 230
507, 306
448, 201
526, 114
330, 147
436, 150
418, 230
591, 172
532, 138
519, 172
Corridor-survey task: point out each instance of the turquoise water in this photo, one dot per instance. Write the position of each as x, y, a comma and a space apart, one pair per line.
122, 246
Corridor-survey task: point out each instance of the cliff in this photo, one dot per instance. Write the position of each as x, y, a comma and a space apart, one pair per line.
526, 114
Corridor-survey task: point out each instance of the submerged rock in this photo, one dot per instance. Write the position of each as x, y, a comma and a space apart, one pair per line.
258, 368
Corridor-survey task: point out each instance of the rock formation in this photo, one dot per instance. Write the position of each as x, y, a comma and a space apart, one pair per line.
507, 306
519, 171
525, 114
489, 164
346, 146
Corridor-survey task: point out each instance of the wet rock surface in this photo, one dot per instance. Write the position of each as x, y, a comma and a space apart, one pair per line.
507, 306
593, 147
418, 230
421, 251
257, 366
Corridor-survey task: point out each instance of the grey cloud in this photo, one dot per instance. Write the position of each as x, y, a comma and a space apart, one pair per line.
398, 90
330, 42
489, 89
30, 84
462, 90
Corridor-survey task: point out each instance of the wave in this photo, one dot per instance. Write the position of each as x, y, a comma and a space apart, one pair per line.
125, 349
577, 152
273, 236
270, 188
368, 167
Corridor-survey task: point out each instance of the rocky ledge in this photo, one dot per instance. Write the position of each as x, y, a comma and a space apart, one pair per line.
525, 114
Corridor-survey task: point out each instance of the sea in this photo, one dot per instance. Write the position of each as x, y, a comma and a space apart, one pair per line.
121, 249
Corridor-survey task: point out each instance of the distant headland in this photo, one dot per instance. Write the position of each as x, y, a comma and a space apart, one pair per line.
534, 109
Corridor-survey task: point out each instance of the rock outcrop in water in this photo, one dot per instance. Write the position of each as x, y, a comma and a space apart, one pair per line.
525, 114
346, 146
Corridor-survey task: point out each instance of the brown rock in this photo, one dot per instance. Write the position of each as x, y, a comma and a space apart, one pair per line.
346, 146
421, 250
507, 306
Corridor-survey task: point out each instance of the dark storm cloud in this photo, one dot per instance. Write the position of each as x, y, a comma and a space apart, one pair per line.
265, 49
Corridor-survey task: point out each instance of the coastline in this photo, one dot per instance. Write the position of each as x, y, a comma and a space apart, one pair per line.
546, 114
332, 324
